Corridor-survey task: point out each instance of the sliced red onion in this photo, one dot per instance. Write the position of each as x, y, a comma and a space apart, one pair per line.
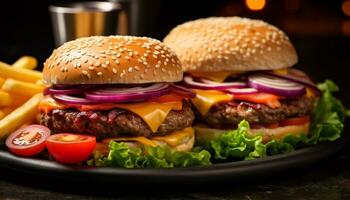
212, 85
302, 78
275, 85
182, 91
137, 89
236, 84
67, 99
72, 89
242, 91
121, 95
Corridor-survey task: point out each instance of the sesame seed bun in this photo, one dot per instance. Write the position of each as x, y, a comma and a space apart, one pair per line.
230, 44
112, 60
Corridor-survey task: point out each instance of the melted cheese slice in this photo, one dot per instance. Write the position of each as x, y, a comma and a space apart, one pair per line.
174, 139
177, 137
153, 113
205, 99
141, 139
214, 76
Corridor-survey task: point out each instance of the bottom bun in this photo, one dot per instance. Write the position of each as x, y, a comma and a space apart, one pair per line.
205, 134
182, 140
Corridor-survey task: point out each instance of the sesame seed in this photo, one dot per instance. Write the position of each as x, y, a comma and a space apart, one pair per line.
91, 68
97, 64
114, 71
85, 72
99, 73
130, 69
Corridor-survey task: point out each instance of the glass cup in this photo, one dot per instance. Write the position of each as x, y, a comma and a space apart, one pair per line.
75, 20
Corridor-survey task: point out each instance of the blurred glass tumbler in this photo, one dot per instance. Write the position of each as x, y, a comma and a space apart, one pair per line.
75, 20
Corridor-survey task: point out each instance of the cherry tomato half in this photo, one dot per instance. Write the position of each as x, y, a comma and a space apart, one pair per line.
70, 147
28, 140
295, 121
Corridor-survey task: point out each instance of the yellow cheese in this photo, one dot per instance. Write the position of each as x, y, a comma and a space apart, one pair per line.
309, 93
177, 137
214, 76
152, 113
172, 139
283, 71
205, 99
141, 139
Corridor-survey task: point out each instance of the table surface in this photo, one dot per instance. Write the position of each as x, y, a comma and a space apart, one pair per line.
328, 179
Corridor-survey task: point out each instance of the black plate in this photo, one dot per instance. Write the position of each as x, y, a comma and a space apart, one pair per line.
223, 171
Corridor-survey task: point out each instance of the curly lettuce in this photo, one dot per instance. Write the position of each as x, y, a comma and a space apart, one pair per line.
123, 155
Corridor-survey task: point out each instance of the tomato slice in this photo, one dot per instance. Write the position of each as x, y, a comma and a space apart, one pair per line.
168, 98
28, 140
270, 100
70, 147
272, 126
295, 121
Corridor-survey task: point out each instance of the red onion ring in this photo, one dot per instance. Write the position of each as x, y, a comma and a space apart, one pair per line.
302, 80
182, 91
242, 91
66, 99
70, 89
212, 85
137, 89
275, 85
122, 95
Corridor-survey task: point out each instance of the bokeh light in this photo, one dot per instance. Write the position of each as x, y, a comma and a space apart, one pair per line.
255, 4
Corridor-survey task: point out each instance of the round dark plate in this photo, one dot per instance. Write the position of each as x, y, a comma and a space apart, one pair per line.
223, 171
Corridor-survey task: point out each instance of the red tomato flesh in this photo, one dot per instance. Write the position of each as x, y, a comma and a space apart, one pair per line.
28, 140
70, 147
295, 121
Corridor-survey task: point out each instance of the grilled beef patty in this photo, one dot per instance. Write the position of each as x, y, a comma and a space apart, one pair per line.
115, 122
229, 114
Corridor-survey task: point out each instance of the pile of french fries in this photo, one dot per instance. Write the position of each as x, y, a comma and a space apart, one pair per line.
21, 90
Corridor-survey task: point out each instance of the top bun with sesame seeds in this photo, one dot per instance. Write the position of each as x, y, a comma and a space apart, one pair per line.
112, 60
231, 44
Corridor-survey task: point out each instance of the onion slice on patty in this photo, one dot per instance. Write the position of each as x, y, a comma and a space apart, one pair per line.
275, 85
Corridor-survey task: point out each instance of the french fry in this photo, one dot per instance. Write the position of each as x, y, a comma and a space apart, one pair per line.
19, 116
21, 87
41, 83
5, 111
6, 71
1, 81
7, 99
26, 62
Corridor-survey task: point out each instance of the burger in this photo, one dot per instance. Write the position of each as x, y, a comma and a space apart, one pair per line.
118, 88
240, 70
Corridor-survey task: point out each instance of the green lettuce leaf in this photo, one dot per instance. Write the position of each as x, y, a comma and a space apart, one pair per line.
328, 116
123, 155
238, 144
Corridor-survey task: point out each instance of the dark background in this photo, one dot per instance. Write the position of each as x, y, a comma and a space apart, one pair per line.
320, 30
